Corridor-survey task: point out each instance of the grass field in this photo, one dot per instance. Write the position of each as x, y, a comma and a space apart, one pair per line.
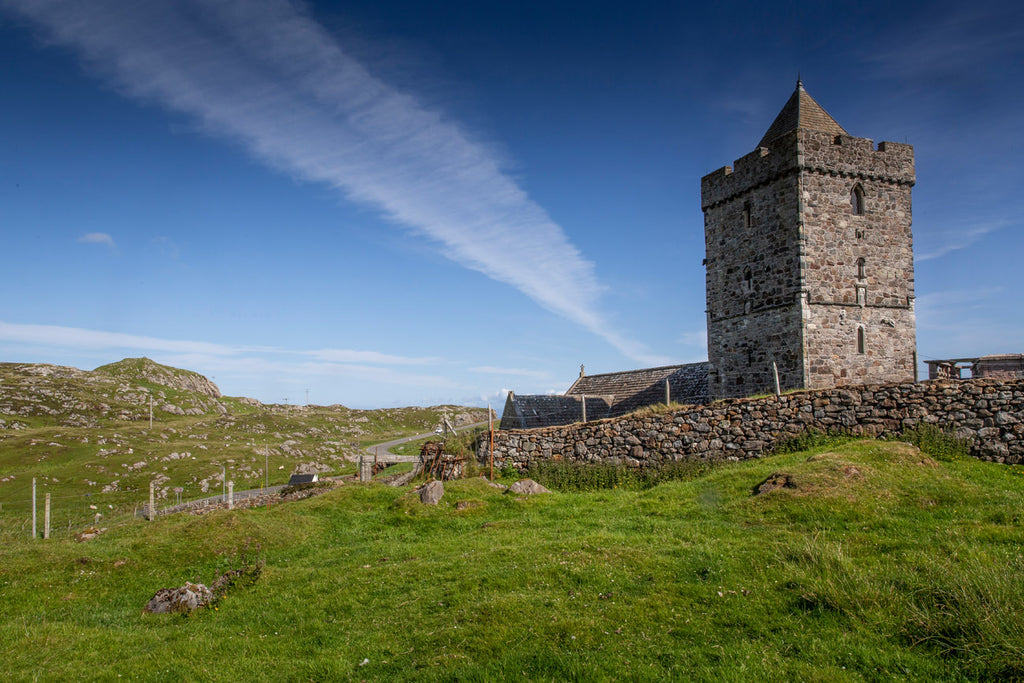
85, 437
872, 562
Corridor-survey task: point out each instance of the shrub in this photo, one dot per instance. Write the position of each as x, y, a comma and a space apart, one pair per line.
810, 439
941, 444
563, 476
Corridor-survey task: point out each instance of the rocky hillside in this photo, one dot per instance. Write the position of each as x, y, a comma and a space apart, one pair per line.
36, 394
146, 370
85, 436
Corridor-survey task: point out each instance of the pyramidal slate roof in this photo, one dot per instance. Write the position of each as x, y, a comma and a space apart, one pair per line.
801, 112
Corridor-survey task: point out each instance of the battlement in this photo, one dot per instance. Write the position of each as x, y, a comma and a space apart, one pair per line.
815, 151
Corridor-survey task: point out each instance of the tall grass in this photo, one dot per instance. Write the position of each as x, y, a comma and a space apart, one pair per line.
942, 444
563, 476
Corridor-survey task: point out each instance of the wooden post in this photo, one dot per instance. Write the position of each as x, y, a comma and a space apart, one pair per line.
775, 373
34, 527
46, 517
152, 501
231, 495
490, 420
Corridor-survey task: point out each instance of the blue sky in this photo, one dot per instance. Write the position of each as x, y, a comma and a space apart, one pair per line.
391, 203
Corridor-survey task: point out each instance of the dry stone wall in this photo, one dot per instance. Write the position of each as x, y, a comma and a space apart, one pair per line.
990, 413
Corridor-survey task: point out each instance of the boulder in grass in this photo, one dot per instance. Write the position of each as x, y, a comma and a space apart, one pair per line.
527, 487
431, 492
189, 597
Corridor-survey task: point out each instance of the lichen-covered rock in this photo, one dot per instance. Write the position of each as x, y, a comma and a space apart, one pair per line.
431, 492
527, 487
185, 599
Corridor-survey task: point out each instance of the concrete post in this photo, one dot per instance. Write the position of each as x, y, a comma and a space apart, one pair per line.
151, 513
584, 408
668, 393
775, 374
34, 527
46, 517
231, 495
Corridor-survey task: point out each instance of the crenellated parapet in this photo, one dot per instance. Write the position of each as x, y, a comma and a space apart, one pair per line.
811, 151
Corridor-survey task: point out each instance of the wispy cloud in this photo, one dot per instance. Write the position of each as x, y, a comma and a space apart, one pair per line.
961, 239
264, 73
97, 238
957, 43
55, 336
512, 372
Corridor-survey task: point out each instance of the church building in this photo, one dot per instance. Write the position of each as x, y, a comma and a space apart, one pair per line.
810, 276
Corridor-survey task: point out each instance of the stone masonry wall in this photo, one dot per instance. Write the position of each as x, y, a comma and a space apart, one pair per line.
990, 413
752, 246
842, 295
794, 274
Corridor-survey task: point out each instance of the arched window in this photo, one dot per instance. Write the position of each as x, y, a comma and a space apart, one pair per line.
857, 200
860, 339
861, 269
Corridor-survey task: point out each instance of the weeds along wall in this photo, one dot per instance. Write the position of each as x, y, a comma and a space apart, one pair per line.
987, 413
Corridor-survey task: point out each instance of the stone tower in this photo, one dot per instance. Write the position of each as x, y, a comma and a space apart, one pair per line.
810, 259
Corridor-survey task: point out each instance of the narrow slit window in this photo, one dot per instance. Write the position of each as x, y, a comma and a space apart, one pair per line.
746, 215
860, 340
861, 269
857, 200
748, 281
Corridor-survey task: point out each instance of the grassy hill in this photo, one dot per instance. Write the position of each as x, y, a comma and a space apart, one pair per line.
86, 438
867, 561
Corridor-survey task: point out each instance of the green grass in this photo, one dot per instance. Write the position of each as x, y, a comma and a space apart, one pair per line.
877, 563
76, 439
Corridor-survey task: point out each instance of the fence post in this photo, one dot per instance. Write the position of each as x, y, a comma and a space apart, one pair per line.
668, 393
584, 402
231, 495
152, 501
46, 517
34, 527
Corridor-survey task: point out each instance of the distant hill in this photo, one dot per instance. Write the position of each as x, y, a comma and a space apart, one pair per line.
85, 437
54, 394
144, 369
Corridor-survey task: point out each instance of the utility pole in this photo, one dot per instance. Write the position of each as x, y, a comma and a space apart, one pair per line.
266, 468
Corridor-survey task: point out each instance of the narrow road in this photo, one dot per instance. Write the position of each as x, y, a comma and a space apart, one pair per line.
386, 446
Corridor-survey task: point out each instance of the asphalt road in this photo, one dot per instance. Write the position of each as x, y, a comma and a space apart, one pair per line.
388, 445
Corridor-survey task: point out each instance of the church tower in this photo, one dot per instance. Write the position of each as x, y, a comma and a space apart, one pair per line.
810, 261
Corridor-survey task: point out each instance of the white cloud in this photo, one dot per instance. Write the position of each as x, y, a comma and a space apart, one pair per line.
961, 239
263, 73
697, 338
515, 372
375, 357
97, 238
74, 338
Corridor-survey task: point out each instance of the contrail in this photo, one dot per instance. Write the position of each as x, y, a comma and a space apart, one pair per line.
264, 73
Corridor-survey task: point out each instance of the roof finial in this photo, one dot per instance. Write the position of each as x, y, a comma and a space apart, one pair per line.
799, 83
581, 370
